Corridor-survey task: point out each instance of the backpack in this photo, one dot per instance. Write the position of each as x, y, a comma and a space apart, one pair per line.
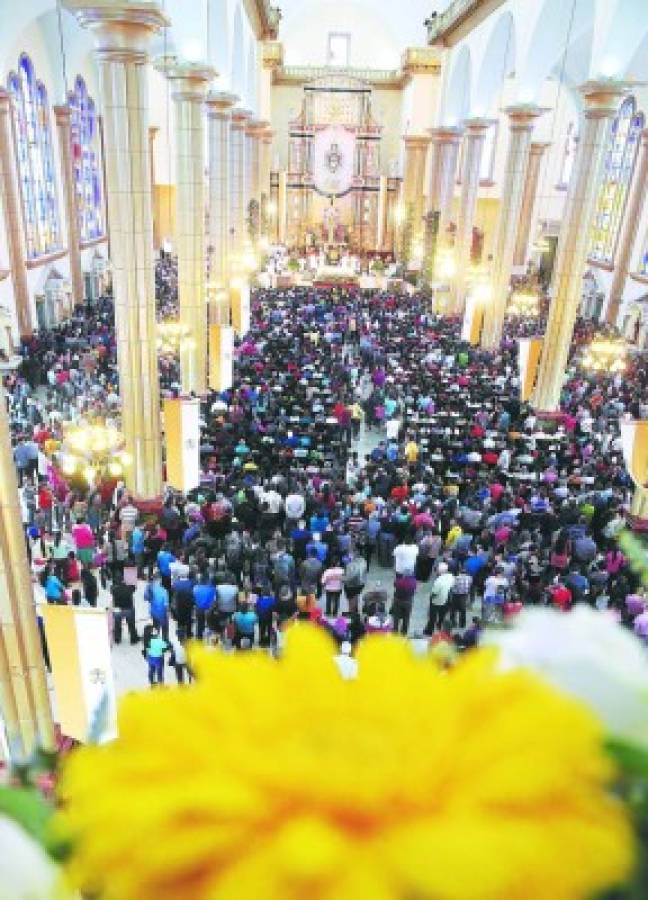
354, 575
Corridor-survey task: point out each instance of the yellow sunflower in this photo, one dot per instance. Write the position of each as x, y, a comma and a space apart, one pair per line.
280, 780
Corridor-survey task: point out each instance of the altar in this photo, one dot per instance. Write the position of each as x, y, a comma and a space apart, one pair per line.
336, 195
336, 276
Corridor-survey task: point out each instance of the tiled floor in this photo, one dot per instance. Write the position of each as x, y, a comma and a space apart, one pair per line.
130, 669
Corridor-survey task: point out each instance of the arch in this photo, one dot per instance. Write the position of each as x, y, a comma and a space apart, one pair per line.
559, 27
219, 40
620, 31
457, 100
237, 69
498, 62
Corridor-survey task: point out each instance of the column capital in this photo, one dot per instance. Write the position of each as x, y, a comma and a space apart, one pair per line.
240, 118
416, 141
119, 28
643, 137
220, 103
446, 134
522, 115
189, 80
5, 100
539, 147
255, 127
62, 114
476, 126
601, 96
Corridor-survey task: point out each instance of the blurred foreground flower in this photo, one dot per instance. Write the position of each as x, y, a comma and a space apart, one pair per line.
280, 780
587, 654
26, 871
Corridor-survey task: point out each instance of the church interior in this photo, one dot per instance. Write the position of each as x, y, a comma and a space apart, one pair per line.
324, 442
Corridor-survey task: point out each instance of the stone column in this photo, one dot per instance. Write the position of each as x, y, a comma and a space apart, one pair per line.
189, 83
473, 144
521, 119
238, 180
10, 194
24, 696
601, 101
219, 106
253, 133
265, 162
122, 33
416, 147
629, 228
536, 153
443, 173
62, 114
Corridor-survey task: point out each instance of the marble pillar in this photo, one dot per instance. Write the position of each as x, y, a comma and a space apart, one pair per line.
24, 694
62, 115
629, 229
122, 32
443, 174
189, 84
238, 185
416, 147
265, 167
11, 207
529, 196
219, 107
601, 100
473, 145
521, 119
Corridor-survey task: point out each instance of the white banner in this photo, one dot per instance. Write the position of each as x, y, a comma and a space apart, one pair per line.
182, 433
333, 160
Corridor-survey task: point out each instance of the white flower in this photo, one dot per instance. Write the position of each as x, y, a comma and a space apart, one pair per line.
26, 871
587, 654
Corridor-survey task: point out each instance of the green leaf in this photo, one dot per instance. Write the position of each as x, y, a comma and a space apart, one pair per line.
631, 758
28, 808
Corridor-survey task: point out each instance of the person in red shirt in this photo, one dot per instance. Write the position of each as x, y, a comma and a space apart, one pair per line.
561, 596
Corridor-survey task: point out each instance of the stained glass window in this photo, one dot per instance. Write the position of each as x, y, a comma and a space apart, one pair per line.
85, 161
619, 164
487, 161
35, 160
569, 155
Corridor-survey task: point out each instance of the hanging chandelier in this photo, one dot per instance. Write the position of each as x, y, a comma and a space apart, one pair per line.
173, 336
524, 303
93, 451
605, 354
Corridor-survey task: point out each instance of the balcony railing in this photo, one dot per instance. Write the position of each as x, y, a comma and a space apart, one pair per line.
301, 74
441, 25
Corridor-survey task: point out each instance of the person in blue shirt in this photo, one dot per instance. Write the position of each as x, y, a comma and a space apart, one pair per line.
319, 522
155, 657
204, 597
164, 560
245, 621
318, 547
265, 607
54, 589
138, 547
157, 596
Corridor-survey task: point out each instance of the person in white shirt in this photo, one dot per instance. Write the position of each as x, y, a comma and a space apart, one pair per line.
274, 501
347, 665
405, 556
295, 506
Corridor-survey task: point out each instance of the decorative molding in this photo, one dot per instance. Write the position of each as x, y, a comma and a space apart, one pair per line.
272, 55
421, 61
639, 276
4, 273
264, 19
300, 75
460, 18
45, 260
85, 245
599, 264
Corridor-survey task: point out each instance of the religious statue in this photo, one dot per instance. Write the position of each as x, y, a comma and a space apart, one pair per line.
333, 159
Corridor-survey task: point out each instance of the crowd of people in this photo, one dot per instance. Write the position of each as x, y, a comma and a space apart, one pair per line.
367, 471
